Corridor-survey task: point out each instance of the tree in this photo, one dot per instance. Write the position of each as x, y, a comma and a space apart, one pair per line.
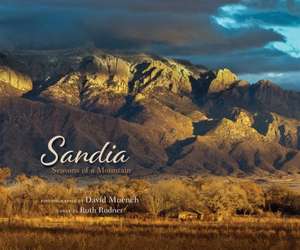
223, 197
4, 174
171, 194
255, 197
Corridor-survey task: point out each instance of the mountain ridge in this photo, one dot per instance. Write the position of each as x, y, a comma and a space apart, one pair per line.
174, 117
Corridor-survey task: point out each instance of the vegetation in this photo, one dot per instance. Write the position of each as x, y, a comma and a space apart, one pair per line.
208, 213
210, 198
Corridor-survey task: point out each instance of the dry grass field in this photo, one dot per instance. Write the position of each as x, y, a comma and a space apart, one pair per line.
123, 233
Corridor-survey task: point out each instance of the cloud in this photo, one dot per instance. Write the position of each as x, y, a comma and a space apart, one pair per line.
287, 80
154, 6
178, 6
131, 28
36, 28
236, 17
290, 5
293, 6
269, 18
265, 4
248, 36
252, 61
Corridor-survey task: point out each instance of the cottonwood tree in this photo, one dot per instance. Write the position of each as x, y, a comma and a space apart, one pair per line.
223, 197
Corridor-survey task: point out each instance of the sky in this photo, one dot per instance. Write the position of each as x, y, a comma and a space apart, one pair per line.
256, 39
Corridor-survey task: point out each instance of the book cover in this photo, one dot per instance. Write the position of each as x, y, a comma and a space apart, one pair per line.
137, 124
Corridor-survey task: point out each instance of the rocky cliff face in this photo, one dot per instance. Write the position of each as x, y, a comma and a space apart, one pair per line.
13, 82
171, 116
224, 80
101, 82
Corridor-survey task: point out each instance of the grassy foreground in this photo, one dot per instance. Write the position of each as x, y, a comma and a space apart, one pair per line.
123, 233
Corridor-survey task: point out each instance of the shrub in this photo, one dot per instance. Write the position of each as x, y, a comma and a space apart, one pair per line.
279, 198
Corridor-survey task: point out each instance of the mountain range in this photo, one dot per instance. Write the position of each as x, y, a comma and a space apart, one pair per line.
171, 116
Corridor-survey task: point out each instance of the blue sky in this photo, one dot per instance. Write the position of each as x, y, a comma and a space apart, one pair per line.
280, 19
258, 39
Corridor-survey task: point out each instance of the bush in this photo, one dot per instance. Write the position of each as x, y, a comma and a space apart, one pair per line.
281, 199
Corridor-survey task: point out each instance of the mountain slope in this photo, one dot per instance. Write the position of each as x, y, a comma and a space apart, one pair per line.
171, 116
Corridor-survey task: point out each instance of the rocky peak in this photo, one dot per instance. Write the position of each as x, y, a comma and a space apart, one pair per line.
167, 74
236, 129
284, 131
266, 87
104, 80
266, 83
242, 117
105, 64
224, 79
